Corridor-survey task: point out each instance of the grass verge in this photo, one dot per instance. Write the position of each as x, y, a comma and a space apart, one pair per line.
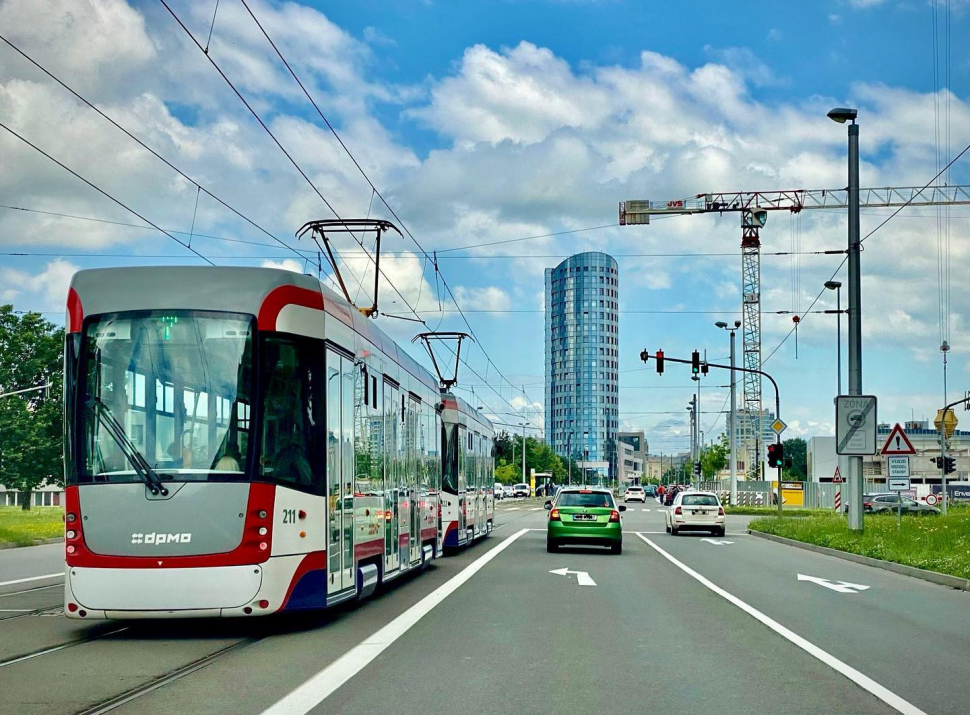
25, 527
935, 543
773, 510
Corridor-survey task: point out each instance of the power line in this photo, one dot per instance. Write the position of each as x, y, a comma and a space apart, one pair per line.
868, 235
143, 144
103, 192
363, 173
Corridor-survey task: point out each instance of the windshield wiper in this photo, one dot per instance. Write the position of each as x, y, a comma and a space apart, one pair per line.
142, 468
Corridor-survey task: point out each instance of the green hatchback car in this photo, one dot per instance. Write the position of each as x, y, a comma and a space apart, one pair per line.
584, 516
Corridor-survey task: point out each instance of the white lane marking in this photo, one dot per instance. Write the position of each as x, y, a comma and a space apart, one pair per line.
837, 586
512, 508
582, 577
315, 690
15, 610
860, 679
535, 508
32, 578
716, 542
644, 532
644, 510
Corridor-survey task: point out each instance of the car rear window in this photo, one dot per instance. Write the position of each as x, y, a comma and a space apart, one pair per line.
586, 499
634, 489
699, 500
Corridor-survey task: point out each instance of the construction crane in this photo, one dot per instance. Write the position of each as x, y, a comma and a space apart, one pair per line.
753, 207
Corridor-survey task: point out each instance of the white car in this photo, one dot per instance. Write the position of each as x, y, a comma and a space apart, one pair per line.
507, 492
635, 493
521, 490
498, 490
695, 511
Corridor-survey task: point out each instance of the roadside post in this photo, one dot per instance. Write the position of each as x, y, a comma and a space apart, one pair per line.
855, 434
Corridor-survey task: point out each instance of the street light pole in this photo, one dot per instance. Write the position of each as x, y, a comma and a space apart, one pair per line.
732, 438
842, 115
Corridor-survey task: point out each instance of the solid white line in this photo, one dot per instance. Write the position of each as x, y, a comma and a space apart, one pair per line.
320, 686
32, 578
863, 681
15, 610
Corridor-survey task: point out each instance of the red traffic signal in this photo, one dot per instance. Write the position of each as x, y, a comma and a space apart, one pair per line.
660, 362
776, 455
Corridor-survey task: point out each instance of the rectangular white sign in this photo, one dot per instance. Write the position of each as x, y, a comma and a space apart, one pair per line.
898, 484
897, 466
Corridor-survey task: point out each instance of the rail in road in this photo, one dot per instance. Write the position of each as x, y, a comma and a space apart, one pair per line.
681, 624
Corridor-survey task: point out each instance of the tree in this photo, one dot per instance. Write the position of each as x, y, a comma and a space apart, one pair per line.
715, 458
796, 450
31, 350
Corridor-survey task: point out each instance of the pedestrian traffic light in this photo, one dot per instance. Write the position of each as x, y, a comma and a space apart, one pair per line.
776, 455
950, 465
660, 362
704, 368
695, 362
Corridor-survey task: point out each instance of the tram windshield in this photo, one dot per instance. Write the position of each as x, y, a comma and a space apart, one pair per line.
178, 386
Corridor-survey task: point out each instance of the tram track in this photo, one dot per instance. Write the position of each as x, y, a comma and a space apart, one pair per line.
167, 678
62, 646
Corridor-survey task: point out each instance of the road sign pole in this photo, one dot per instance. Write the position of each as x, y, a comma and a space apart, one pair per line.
855, 322
732, 429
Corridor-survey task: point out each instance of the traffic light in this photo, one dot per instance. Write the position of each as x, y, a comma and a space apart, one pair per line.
950, 465
776, 455
660, 362
697, 469
644, 355
704, 368
936, 461
695, 362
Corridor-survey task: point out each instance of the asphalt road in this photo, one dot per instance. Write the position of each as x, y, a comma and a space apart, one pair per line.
675, 624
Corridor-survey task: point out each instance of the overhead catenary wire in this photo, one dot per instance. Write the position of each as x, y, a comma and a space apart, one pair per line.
863, 240
102, 191
400, 221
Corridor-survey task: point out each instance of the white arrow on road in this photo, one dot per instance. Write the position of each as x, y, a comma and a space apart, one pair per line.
582, 577
716, 542
838, 586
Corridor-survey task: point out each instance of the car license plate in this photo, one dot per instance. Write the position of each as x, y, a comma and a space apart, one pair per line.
584, 517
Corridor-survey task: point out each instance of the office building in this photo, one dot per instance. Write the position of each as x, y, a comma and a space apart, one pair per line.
581, 339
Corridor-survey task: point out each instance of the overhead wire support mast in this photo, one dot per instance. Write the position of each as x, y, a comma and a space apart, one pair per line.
753, 207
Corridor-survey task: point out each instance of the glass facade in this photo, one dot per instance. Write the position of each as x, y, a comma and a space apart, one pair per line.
582, 343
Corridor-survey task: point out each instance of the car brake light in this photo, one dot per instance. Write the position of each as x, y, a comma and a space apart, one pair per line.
720, 511
554, 515
614, 515
678, 510
867, 503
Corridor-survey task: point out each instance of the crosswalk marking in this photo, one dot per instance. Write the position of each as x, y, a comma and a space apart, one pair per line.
535, 508
644, 510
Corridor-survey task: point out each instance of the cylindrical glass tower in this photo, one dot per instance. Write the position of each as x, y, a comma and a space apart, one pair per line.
582, 388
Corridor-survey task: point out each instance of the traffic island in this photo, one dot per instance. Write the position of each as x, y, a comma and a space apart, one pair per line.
932, 548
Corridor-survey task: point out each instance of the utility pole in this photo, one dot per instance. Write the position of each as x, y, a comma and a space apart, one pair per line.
523, 454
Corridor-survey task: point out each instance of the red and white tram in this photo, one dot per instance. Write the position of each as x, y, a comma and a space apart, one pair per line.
242, 441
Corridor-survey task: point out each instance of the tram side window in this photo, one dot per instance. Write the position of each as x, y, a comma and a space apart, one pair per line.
292, 411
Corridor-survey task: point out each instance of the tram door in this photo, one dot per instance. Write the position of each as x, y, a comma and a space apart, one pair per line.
461, 436
392, 472
415, 483
340, 472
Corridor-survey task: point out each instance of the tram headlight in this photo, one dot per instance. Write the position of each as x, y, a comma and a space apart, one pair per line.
263, 531
71, 534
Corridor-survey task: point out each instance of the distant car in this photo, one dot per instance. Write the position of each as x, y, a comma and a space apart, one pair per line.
507, 491
584, 516
635, 493
520, 490
695, 511
651, 491
889, 502
498, 490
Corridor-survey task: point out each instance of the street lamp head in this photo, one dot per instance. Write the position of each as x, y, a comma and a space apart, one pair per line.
737, 324
832, 285
843, 115
720, 324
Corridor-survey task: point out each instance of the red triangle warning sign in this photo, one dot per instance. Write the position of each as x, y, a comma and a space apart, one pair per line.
837, 477
898, 442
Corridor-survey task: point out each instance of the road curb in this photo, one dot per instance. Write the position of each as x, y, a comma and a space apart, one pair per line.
37, 542
941, 579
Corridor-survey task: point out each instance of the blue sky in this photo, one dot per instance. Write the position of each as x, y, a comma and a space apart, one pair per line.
492, 121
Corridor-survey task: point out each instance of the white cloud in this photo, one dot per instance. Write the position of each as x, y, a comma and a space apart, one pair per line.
835, 19
484, 299
865, 3
287, 264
